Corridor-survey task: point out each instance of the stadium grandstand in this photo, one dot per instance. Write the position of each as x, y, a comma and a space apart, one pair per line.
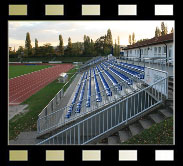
109, 92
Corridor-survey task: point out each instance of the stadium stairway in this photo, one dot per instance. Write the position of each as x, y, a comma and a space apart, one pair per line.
136, 126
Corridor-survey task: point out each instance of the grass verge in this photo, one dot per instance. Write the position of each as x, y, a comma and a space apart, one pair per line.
160, 133
17, 70
28, 121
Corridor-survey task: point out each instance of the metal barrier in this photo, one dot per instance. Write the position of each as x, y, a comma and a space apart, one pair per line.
160, 63
50, 107
111, 117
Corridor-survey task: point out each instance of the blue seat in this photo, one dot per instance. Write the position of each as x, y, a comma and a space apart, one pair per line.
78, 107
111, 78
98, 95
74, 98
104, 83
122, 76
89, 91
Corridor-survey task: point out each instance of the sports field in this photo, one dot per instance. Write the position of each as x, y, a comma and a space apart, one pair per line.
18, 70
22, 87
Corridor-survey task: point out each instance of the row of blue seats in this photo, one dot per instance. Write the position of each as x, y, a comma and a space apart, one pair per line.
74, 98
78, 108
111, 78
89, 91
98, 95
128, 71
106, 86
140, 68
120, 75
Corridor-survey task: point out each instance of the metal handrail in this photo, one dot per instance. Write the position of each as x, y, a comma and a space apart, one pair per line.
77, 135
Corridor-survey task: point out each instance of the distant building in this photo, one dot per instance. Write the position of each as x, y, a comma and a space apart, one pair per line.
156, 47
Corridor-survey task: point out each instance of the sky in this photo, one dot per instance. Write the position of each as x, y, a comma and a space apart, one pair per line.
49, 31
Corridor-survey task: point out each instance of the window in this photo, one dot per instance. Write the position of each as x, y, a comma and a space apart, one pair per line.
155, 50
142, 51
145, 51
164, 49
159, 50
130, 51
135, 52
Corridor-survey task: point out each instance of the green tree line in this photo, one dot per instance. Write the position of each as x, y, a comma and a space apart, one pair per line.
102, 46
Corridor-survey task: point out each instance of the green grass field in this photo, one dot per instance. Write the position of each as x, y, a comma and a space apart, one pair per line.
160, 133
28, 121
17, 70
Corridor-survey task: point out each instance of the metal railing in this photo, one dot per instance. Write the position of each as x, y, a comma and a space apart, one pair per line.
50, 107
57, 118
161, 63
111, 117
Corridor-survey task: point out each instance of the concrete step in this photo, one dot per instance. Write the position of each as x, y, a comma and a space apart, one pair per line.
170, 94
135, 128
146, 123
124, 135
170, 88
113, 140
157, 117
169, 102
167, 113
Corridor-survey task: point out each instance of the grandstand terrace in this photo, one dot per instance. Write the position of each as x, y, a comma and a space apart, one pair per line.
102, 83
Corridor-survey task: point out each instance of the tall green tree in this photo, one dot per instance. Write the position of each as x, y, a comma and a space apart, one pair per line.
36, 44
36, 47
130, 39
172, 30
118, 47
87, 45
28, 46
109, 38
157, 32
115, 48
28, 41
68, 51
164, 29
133, 38
61, 45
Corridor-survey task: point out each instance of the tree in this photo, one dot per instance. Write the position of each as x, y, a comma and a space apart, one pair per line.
109, 41
36, 47
61, 47
28, 45
133, 38
77, 48
47, 50
164, 29
130, 39
87, 45
68, 51
36, 43
118, 48
157, 32
28, 41
115, 49
172, 30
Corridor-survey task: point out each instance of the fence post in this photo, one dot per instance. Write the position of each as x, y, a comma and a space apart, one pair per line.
79, 134
126, 111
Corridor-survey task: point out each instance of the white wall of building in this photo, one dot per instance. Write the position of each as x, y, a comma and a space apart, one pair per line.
158, 50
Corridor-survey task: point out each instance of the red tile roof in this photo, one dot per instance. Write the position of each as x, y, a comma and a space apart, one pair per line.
154, 40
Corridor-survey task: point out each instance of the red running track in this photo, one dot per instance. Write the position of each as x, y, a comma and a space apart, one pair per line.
22, 87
